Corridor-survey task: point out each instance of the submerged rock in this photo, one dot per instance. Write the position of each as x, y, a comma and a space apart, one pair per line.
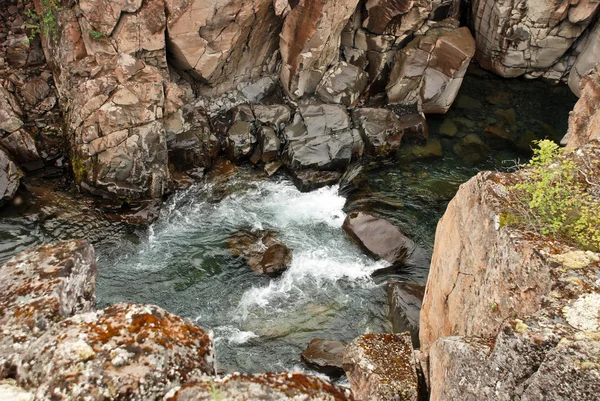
262, 250
325, 356
379, 238
382, 367
266, 386
405, 299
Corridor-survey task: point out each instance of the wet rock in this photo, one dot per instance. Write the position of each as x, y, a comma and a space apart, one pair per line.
534, 36
240, 140
271, 386
309, 180
405, 299
343, 83
39, 287
471, 148
382, 367
221, 172
125, 350
321, 137
380, 130
309, 43
432, 150
325, 356
272, 167
430, 69
262, 250
268, 146
222, 42
10, 177
415, 128
584, 120
379, 237
448, 128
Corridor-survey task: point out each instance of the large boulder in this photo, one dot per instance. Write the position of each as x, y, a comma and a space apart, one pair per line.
310, 42
587, 59
532, 303
584, 120
429, 70
261, 250
325, 356
321, 138
382, 367
343, 83
266, 386
10, 177
528, 37
222, 42
380, 129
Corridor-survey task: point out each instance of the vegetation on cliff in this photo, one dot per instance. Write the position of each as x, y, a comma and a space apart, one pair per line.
559, 197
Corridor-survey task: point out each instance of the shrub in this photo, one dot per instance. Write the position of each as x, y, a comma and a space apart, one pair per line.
556, 198
96, 34
45, 22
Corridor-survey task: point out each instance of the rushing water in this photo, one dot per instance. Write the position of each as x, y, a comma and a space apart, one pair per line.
181, 262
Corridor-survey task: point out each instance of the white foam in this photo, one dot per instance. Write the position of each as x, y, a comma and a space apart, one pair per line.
233, 335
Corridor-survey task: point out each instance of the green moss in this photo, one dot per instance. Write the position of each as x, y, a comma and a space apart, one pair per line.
96, 34
80, 169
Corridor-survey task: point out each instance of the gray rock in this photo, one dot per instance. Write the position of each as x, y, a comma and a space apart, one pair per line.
380, 130
309, 180
343, 83
240, 140
10, 177
405, 299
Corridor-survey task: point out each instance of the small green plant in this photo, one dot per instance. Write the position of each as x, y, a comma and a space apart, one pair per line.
215, 393
96, 34
45, 22
556, 199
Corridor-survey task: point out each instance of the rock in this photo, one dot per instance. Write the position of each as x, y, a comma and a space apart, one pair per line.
9, 119
405, 299
274, 115
35, 90
257, 91
379, 238
268, 146
17, 51
325, 356
415, 128
10, 177
22, 148
584, 120
309, 180
9, 390
240, 140
40, 287
380, 130
432, 150
222, 42
430, 69
267, 386
310, 43
382, 367
471, 148
321, 137
448, 128
262, 250
343, 83
125, 350
518, 38
586, 60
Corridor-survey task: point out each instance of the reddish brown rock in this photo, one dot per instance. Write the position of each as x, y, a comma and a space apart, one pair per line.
382, 367
379, 237
310, 42
584, 120
325, 356
262, 251
430, 69
380, 129
267, 386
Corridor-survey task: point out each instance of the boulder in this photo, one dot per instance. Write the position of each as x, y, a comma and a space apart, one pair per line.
405, 299
325, 356
273, 115
35, 90
309, 180
584, 120
414, 126
240, 140
262, 250
379, 238
321, 137
527, 37
221, 42
343, 83
10, 177
268, 146
21, 145
431, 150
40, 287
265, 386
310, 42
587, 59
380, 129
429, 70
9, 118
123, 351
382, 367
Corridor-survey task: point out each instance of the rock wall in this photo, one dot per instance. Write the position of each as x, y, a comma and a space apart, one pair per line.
509, 314
584, 120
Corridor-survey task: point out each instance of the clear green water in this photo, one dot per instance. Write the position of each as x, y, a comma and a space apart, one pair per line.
181, 262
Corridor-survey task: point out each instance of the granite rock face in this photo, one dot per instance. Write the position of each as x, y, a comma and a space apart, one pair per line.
528, 37
310, 43
382, 367
584, 120
429, 70
533, 325
222, 42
